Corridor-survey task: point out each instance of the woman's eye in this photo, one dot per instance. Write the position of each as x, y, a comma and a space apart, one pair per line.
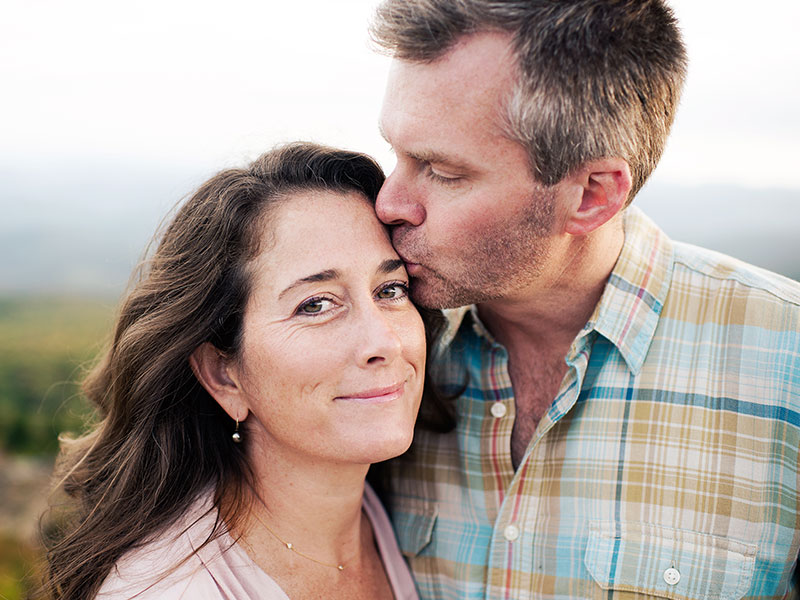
393, 291
314, 306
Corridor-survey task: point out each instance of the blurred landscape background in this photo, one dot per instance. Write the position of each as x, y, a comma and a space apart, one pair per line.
112, 114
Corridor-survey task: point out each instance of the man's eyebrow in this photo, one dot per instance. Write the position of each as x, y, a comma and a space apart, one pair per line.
327, 275
429, 156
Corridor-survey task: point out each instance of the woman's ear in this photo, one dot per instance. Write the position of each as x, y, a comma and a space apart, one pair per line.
213, 371
604, 187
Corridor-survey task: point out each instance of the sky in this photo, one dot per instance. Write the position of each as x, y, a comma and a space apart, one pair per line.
207, 85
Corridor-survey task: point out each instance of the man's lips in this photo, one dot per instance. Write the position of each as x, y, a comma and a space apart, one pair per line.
401, 242
413, 268
376, 395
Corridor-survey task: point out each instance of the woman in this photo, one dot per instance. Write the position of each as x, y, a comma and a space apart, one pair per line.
267, 355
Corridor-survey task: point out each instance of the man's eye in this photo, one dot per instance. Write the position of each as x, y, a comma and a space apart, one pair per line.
439, 178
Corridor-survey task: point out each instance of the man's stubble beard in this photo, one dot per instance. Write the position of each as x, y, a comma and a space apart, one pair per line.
503, 261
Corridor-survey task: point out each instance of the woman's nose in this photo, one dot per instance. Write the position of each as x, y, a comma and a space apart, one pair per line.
397, 204
379, 340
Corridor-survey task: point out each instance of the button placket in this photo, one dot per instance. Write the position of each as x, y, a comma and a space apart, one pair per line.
498, 410
672, 576
511, 532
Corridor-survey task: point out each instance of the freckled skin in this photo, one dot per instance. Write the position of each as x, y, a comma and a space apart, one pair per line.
309, 347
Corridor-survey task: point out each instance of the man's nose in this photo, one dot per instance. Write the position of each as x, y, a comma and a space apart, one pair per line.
397, 202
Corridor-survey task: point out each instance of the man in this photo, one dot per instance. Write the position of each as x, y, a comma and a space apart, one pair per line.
628, 411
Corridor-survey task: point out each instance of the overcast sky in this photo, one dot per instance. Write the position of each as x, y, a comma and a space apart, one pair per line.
175, 82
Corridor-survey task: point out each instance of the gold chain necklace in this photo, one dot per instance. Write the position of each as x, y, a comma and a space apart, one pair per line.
291, 547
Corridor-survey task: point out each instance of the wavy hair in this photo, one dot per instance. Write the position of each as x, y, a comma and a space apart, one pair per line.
162, 440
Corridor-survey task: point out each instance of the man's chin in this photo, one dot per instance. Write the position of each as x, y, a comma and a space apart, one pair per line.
429, 295
423, 295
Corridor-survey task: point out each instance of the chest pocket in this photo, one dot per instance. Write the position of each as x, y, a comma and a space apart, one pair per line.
668, 563
413, 520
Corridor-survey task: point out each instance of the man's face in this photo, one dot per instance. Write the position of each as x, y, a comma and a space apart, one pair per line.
469, 220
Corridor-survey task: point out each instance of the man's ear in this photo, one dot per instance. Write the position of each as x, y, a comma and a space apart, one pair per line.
604, 187
215, 374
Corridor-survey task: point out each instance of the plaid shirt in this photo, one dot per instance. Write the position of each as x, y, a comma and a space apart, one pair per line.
666, 466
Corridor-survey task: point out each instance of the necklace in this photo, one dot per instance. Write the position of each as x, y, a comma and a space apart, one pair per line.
291, 547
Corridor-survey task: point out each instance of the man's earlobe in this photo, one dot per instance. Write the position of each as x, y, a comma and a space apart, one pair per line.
605, 185
214, 373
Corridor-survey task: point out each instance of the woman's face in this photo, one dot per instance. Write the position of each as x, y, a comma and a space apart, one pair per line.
333, 353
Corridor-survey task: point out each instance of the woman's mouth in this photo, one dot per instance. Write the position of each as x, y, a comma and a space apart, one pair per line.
375, 395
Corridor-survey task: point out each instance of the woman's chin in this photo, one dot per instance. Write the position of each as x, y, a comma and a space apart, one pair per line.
384, 449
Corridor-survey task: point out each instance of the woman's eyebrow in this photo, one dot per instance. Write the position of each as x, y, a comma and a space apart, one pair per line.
327, 275
390, 266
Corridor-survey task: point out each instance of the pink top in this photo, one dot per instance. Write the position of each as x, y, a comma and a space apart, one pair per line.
222, 570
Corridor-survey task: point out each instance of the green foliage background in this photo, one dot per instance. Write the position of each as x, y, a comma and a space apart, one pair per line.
46, 345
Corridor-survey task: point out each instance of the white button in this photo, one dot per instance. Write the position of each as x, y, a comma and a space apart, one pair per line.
498, 409
511, 533
672, 576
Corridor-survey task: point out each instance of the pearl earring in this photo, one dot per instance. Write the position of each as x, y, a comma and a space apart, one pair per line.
236, 436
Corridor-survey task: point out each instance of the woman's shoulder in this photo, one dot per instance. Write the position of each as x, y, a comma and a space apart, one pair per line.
182, 583
166, 565
185, 562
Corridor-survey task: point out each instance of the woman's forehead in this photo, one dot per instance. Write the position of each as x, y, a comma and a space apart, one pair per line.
315, 231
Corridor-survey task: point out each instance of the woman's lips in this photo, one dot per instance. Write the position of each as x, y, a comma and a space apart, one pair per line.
376, 395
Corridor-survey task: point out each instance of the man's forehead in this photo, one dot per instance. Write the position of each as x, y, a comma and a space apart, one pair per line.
467, 88
478, 54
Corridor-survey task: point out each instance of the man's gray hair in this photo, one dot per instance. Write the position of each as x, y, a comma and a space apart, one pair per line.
596, 78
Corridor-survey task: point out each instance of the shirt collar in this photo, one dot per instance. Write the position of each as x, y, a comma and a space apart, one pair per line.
454, 317
629, 309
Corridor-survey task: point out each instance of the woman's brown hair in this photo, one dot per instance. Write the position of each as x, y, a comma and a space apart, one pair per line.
162, 441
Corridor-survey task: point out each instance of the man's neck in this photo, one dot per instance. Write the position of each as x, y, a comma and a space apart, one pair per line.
538, 325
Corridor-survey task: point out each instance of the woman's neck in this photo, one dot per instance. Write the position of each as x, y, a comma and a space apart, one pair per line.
315, 507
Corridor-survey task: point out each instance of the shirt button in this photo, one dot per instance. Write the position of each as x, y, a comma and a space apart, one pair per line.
511, 533
672, 576
498, 410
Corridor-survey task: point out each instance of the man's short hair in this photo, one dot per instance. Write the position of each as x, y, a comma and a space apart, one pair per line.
596, 78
